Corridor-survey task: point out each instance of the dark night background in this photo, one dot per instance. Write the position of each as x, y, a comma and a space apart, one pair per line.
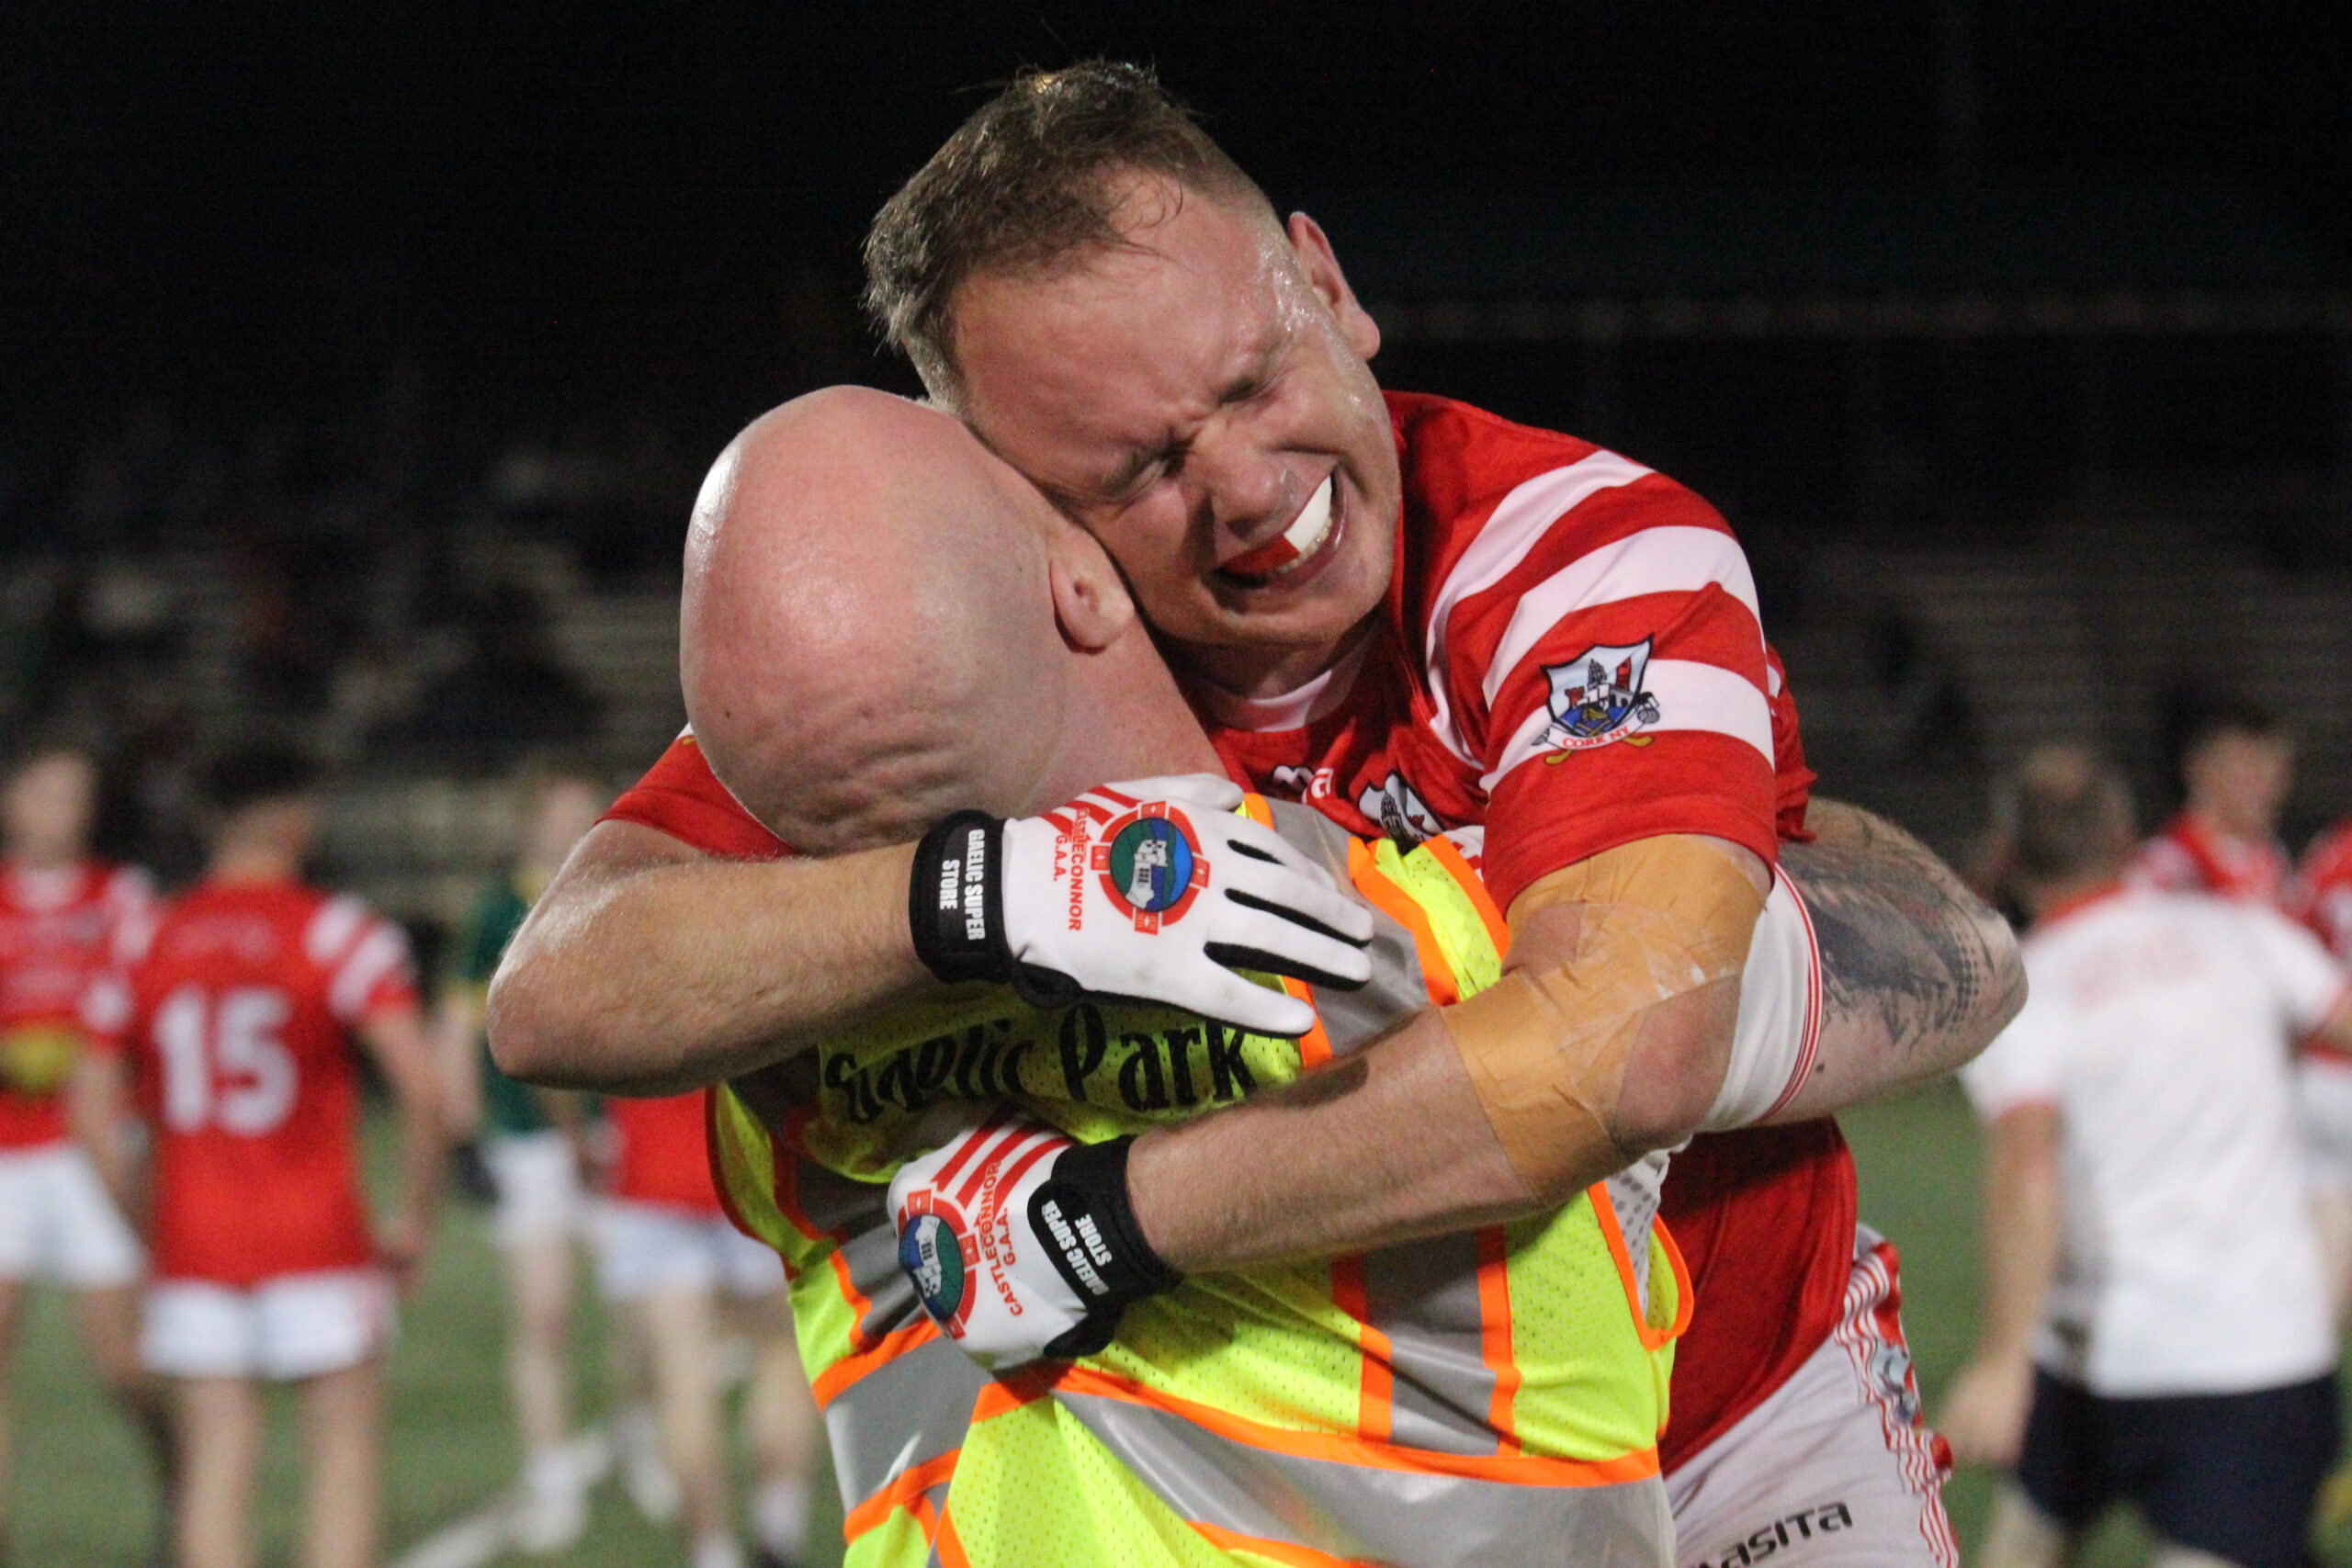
355, 302
359, 362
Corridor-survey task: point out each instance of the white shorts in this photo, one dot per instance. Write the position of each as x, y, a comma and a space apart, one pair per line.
539, 1187
58, 1224
646, 1248
2324, 1092
297, 1326
1835, 1469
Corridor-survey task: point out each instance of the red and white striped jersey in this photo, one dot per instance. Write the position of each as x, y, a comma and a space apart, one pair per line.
1570, 658
61, 930
2190, 855
2322, 894
236, 1021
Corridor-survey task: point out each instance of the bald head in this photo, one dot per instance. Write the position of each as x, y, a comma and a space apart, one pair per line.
883, 623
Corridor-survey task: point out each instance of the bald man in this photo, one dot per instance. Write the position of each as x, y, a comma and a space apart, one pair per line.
860, 715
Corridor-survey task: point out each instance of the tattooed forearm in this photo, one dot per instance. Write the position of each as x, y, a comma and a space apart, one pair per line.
1918, 973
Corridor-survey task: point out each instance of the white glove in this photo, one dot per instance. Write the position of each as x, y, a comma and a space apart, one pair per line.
1152, 890
1021, 1242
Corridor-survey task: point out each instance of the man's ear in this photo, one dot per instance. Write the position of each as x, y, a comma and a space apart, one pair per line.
1314, 254
1091, 601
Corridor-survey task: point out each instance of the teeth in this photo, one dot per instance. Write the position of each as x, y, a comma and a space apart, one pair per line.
1306, 534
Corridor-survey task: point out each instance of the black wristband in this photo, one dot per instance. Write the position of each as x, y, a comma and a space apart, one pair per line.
1082, 1216
956, 900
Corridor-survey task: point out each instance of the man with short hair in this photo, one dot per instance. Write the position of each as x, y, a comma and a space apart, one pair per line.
63, 915
2155, 1327
1398, 609
229, 1032
2237, 763
814, 616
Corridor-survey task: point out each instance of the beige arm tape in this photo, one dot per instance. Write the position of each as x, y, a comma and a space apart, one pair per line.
1547, 1048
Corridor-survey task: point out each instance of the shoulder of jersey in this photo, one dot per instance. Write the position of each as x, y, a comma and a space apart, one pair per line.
2329, 859
1487, 498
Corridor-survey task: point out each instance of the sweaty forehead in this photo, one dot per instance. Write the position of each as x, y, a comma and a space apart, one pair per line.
1064, 371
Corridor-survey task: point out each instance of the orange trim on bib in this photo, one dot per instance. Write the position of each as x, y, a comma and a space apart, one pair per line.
1494, 1346
1604, 1213
1288, 1553
1363, 870
905, 1491
829, 1384
1376, 1384
950, 1547
1520, 1469
1448, 855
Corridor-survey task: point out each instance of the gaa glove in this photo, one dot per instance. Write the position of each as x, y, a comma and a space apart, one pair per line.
1152, 890
1021, 1241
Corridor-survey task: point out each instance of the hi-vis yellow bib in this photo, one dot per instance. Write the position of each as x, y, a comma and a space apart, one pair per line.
1490, 1398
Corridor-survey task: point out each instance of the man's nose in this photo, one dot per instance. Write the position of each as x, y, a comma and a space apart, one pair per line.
1242, 485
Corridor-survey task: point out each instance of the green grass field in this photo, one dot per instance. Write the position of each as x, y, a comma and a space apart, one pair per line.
81, 1501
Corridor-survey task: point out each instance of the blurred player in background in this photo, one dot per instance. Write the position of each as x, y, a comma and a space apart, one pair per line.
229, 1034
2237, 763
683, 1278
63, 916
534, 1143
2155, 1327
2237, 766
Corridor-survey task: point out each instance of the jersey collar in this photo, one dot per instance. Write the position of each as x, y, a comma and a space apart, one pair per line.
1293, 709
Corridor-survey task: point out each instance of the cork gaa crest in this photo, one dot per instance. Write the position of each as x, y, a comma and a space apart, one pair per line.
1598, 697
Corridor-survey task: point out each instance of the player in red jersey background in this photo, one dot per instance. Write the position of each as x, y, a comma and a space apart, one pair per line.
229, 1034
62, 918
683, 1278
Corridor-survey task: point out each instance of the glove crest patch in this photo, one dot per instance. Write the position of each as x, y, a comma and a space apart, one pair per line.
1151, 864
940, 1257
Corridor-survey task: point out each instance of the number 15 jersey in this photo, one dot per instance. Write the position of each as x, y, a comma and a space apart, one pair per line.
235, 1022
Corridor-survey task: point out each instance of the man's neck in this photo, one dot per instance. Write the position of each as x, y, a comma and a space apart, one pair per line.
2045, 899
1258, 674
253, 862
36, 859
2219, 825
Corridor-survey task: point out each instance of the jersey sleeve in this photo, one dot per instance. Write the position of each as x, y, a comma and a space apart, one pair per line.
1597, 654
2303, 975
2323, 892
366, 959
681, 796
1793, 782
2022, 1065
2161, 863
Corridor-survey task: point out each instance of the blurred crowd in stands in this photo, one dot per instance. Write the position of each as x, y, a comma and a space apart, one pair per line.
378, 607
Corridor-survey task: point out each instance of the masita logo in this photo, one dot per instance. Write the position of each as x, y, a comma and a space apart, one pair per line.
939, 1256
1151, 865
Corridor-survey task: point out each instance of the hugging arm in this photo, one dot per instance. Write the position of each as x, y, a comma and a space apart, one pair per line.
1397, 1141
649, 967
1918, 973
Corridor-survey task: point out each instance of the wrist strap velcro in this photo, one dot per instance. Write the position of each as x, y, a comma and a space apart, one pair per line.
956, 900
1088, 1228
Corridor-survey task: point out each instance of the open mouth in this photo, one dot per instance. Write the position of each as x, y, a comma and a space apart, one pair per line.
1308, 538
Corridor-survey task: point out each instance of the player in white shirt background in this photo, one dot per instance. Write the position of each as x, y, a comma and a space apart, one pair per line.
2157, 1326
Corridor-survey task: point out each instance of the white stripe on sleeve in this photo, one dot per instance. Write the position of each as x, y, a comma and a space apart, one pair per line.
1655, 560
1690, 695
379, 955
334, 929
1516, 526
